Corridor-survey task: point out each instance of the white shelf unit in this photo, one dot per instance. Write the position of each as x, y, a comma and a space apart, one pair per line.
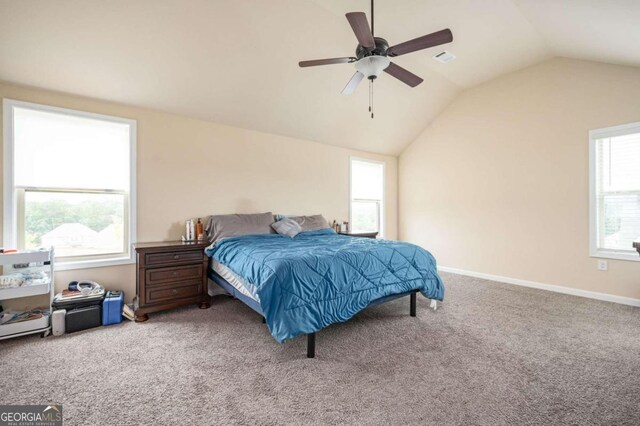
37, 260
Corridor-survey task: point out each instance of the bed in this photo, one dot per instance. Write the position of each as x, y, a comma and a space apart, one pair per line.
305, 283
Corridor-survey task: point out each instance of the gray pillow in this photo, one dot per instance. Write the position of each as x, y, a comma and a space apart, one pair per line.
287, 227
311, 223
233, 225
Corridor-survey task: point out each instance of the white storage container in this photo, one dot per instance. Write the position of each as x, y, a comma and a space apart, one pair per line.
36, 269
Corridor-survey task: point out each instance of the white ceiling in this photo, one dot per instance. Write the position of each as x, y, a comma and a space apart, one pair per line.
235, 61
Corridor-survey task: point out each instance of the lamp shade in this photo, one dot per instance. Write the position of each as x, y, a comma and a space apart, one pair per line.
372, 66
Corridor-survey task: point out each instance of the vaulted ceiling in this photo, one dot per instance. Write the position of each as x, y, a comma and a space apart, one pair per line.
235, 61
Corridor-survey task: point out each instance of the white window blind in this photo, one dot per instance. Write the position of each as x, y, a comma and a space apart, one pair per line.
615, 192
367, 196
52, 149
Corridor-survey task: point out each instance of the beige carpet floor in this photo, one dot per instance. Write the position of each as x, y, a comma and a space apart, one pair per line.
491, 354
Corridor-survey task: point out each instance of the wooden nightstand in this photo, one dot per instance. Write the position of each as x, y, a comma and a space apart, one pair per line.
360, 234
170, 274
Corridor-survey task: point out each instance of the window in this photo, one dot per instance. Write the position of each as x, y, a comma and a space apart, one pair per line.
69, 180
367, 196
615, 191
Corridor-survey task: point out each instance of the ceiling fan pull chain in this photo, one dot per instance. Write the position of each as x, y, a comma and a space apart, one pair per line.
371, 99
370, 95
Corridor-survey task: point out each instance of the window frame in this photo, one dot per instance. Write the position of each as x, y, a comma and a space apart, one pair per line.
382, 222
10, 207
594, 214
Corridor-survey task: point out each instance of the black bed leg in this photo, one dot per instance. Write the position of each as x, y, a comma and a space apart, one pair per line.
311, 345
412, 306
264, 320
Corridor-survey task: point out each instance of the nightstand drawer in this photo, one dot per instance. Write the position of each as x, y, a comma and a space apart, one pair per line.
168, 293
173, 257
159, 276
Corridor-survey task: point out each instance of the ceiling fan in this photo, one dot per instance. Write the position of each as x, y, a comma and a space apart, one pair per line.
373, 53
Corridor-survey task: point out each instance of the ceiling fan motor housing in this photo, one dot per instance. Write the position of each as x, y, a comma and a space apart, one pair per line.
381, 48
371, 62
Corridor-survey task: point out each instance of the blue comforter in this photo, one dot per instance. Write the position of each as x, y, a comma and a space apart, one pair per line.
319, 278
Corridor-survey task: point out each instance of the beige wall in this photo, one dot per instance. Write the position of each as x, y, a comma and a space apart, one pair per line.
498, 183
191, 168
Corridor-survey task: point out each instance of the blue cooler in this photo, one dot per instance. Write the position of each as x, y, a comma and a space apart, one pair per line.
112, 308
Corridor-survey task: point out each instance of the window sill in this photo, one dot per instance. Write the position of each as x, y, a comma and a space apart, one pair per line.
603, 254
95, 263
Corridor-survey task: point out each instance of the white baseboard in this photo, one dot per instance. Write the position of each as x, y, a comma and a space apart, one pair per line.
549, 287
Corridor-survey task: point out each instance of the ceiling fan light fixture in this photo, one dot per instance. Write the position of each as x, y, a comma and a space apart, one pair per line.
372, 66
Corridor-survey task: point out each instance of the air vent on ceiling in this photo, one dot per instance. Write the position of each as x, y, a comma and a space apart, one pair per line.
444, 57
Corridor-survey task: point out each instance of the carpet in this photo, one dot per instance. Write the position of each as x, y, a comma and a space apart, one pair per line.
492, 354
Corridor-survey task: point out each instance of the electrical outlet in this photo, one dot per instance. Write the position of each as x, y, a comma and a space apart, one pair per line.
602, 265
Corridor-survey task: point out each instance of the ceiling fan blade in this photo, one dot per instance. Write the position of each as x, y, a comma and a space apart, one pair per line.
353, 83
330, 61
360, 26
424, 42
403, 75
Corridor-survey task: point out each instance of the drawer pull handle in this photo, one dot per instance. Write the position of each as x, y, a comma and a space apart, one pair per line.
176, 256
175, 273
174, 291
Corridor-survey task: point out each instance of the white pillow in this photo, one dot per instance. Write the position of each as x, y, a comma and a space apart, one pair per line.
287, 227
